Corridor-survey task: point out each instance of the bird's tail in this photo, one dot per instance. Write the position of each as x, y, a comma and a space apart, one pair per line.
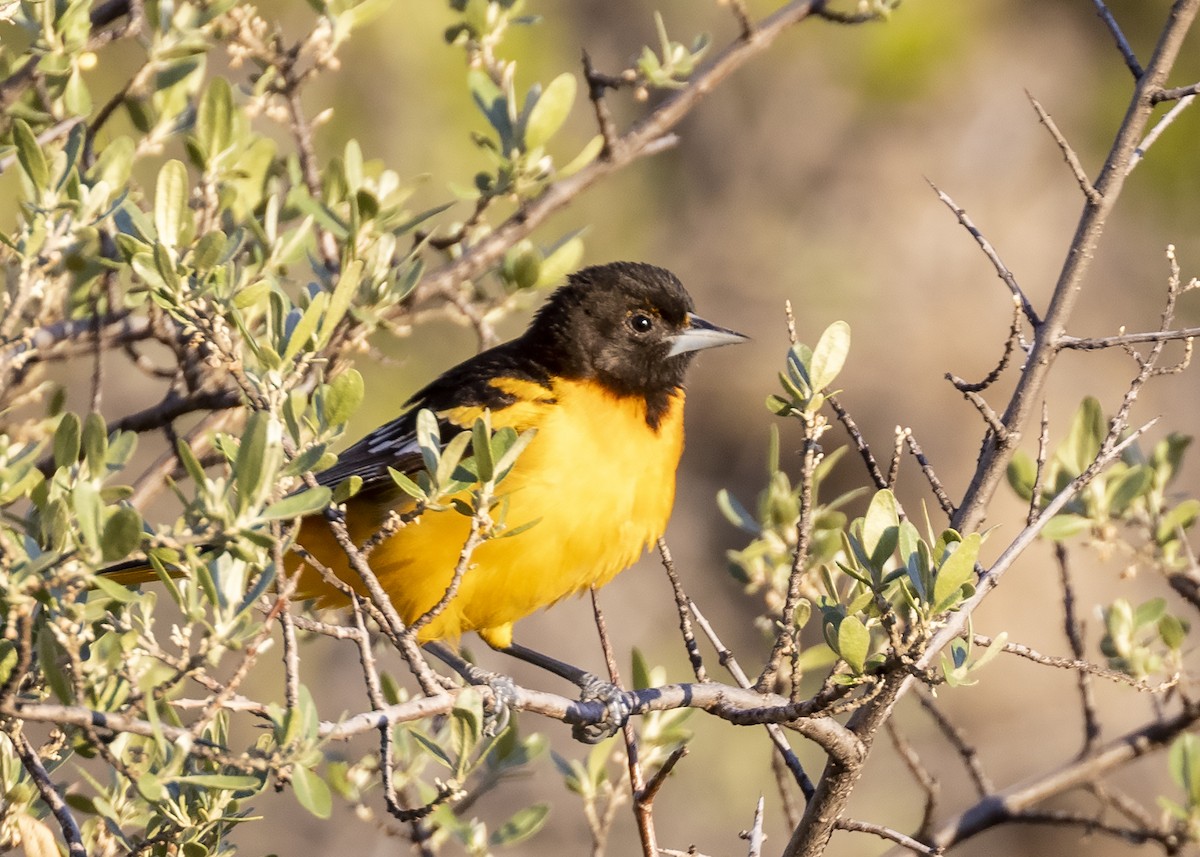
134, 572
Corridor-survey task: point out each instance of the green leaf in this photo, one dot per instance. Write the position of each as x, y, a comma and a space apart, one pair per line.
736, 513
343, 395
956, 570
523, 824
302, 333
95, 444
1172, 631
339, 302
429, 438
481, 448
66, 440
587, 154
510, 455
299, 505
1149, 612
1062, 527
562, 260
640, 669
85, 500
829, 355
1022, 473
346, 489
29, 153
853, 643
881, 528
1087, 432
214, 119
1184, 763
209, 250
171, 215
550, 111
122, 534
225, 782
1130, 486
1181, 517
909, 542
249, 466
312, 792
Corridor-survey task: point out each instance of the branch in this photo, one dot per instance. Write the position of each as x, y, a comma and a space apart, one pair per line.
1072, 159
45, 786
988, 250
644, 138
1010, 803
810, 837
1131, 60
1123, 339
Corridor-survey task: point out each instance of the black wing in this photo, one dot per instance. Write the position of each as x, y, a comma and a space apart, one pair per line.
467, 385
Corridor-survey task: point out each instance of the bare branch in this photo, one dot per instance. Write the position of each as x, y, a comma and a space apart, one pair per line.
1013, 802
860, 442
988, 250
1078, 665
1069, 288
966, 751
1123, 339
681, 606
1160, 126
646, 137
887, 833
755, 834
944, 501
1176, 93
1131, 60
1072, 159
1074, 631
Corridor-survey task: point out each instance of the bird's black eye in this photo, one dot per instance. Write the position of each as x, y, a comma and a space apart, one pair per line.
640, 323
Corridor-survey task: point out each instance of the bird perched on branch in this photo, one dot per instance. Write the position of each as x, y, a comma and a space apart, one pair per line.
599, 376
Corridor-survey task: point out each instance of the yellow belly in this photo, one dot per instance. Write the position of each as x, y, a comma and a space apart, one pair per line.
602, 483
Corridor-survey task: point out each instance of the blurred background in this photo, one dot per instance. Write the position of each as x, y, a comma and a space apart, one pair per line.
806, 177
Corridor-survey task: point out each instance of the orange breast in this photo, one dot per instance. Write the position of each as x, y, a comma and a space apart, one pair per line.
599, 481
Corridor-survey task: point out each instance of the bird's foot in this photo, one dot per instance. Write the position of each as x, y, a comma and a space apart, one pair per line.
504, 699
617, 708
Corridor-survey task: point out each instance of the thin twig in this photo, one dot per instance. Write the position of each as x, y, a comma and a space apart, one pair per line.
923, 776
935, 484
37, 772
755, 835
1124, 339
1068, 153
685, 617
1074, 631
860, 442
988, 250
642, 805
966, 751
1131, 60
730, 663
1161, 125
888, 833
1078, 665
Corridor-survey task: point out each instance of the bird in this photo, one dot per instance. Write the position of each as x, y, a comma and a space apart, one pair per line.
599, 376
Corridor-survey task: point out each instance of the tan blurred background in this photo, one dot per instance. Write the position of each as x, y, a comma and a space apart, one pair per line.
804, 177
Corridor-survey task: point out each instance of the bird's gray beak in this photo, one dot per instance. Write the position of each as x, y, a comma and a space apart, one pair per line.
700, 334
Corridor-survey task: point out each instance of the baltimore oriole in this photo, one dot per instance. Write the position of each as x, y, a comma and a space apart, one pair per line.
599, 375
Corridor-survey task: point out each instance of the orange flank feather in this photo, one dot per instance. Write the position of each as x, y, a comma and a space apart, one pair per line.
598, 506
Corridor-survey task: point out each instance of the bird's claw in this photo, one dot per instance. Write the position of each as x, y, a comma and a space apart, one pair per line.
617, 708
504, 698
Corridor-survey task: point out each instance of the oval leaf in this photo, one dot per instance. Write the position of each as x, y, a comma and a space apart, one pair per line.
550, 111
830, 355
854, 643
